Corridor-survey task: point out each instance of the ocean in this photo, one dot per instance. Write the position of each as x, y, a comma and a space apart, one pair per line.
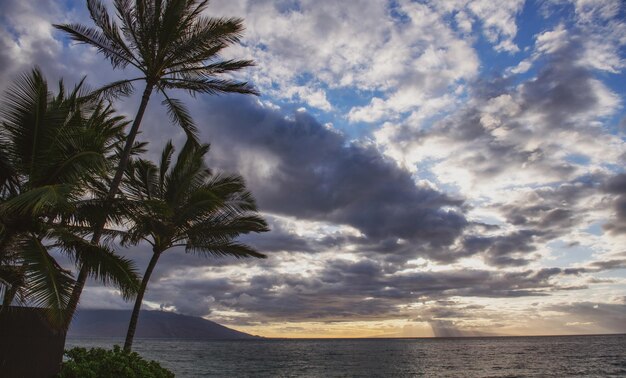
544, 356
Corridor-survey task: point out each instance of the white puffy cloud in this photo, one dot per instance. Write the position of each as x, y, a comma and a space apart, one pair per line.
498, 20
306, 49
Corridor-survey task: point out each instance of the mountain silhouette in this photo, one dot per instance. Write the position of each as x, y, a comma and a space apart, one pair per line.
152, 324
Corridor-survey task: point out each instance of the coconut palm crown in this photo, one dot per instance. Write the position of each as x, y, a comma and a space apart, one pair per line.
51, 147
172, 45
185, 205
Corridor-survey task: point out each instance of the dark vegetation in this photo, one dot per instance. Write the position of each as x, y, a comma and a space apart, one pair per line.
73, 179
102, 363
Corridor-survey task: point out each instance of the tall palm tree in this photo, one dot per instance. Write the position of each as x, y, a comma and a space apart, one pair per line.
50, 148
185, 205
172, 45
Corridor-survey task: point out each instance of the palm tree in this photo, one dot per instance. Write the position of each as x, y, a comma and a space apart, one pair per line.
51, 147
172, 46
185, 205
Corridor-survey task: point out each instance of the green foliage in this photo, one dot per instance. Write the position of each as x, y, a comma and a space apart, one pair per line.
185, 204
55, 152
103, 363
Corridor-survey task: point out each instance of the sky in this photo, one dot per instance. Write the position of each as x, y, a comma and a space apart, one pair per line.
427, 168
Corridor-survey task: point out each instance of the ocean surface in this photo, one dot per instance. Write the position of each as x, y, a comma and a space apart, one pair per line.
550, 356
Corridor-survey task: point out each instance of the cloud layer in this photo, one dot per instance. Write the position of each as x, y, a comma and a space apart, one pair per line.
454, 166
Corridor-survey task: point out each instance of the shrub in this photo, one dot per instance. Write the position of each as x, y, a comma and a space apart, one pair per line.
106, 363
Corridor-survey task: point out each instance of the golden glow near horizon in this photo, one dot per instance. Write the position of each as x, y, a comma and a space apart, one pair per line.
408, 329
358, 329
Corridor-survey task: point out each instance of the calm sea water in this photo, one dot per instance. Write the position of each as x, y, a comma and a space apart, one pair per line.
554, 356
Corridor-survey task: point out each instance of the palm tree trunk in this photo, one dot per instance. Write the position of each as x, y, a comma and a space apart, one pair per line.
9, 295
130, 141
97, 234
132, 325
11, 290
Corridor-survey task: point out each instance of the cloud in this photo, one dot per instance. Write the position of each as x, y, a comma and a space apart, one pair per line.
26, 37
344, 290
498, 20
517, 133
314, 97
608, 317
297, 167
307, 50
617, 185
449, 206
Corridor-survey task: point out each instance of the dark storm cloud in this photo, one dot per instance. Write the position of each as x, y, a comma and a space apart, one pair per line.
609, 264
610, 317
617, 185
563, 91
27, 39
346, 290
504, 250
280, 239
541, 215
297, 167
349, 290
551, 207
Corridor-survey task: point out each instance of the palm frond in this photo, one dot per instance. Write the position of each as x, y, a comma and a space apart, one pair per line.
140, 180
209, 86
179, 114
100, 16
188, 173
209, 70
56, 153
233, 189
77, 166
100, 262
127, 13
25, 112
203, 37
223, 249
12, 282
40, 200
48, 285
164, 164
116, 89
82, 34
9, 178
195, 206
227, 228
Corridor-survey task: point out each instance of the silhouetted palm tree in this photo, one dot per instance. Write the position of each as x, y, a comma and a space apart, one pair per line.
173, 46
185, 205
50, 149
